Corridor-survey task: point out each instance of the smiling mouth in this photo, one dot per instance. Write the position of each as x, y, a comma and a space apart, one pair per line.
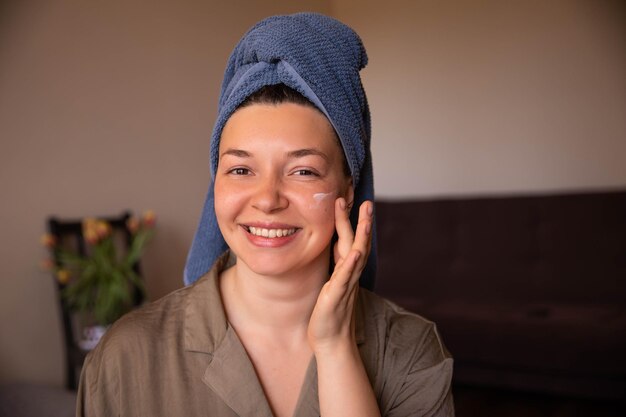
270, 233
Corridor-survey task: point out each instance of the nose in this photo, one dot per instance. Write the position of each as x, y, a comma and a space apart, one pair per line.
269, 197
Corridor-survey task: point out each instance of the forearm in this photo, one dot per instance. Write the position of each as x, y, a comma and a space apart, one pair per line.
343, 385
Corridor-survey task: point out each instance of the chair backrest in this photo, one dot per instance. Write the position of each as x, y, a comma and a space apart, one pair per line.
70, 233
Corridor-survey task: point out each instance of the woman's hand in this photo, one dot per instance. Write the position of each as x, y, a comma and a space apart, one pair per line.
332, 322
343, 385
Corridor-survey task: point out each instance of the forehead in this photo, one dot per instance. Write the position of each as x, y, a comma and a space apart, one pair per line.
286, 124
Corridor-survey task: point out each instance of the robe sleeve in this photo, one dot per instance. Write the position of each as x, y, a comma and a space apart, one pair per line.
98, 388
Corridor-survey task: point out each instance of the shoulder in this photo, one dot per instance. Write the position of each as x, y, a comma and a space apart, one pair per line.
127, 345
171, 324
154, 318
141, 331
155, 343
405, 356
399, 328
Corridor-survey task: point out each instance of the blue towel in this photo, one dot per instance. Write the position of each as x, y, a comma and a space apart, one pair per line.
320, 58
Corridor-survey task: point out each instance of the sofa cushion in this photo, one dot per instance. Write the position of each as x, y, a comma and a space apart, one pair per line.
532, 285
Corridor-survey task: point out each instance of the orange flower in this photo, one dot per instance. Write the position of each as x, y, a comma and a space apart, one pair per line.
149, 218
91, 236
89, 222
91, 231
63, 276
48, 240
95, 230
132, 224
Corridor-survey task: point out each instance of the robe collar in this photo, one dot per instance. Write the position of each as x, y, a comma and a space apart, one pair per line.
230, 373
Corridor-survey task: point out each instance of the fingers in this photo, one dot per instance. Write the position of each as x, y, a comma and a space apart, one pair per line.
350, 265
363, 238
344, 273
344, 229
334, 310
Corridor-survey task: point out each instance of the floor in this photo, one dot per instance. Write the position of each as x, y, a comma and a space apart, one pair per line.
34, 400
17, 401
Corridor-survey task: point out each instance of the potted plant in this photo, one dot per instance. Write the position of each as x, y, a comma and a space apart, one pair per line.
101, 284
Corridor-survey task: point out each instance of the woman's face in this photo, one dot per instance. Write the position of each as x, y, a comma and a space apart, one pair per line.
280, 171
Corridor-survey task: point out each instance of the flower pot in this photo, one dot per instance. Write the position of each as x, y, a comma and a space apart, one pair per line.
91, 335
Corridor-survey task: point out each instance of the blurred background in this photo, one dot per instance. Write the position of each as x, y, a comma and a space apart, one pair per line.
109, 105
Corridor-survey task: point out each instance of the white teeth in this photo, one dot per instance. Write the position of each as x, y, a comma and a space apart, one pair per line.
271, 233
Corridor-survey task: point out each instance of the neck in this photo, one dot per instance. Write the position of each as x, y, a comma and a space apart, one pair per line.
272, 304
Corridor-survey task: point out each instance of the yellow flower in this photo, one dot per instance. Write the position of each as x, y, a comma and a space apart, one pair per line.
89, 225
91, 236
63, 276
103, 229
149, 218
48, 240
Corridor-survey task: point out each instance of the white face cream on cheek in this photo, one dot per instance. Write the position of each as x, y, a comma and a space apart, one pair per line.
319, 198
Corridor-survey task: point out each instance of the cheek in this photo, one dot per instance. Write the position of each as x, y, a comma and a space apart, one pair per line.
226, 201
323, 202
318, 206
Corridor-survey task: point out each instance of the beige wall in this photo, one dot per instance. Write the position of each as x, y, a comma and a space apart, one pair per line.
108, 105
104, 105
494, 96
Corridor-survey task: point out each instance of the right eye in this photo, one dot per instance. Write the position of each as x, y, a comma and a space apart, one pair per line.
239, 171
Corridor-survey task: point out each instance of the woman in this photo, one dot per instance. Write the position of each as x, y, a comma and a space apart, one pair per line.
266, 329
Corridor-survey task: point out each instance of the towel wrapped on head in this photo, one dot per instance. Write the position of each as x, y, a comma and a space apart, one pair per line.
320, 58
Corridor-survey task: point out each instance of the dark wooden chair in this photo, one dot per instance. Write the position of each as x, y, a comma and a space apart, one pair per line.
69, 233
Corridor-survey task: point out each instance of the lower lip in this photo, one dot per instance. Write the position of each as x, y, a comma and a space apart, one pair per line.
266, 242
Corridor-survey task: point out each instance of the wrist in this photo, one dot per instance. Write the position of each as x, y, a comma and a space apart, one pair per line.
341, 350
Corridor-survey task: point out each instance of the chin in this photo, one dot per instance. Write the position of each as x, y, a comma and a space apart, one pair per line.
276, 264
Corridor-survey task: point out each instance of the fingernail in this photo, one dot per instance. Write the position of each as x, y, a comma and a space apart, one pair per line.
370, 209
342, 204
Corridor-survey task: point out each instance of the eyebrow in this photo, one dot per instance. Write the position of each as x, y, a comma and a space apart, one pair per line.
300, 153
236, 152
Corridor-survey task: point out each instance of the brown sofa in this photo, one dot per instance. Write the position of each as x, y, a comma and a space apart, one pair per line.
529, 292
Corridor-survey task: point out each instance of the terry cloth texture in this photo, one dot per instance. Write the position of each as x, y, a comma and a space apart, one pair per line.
320, 58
